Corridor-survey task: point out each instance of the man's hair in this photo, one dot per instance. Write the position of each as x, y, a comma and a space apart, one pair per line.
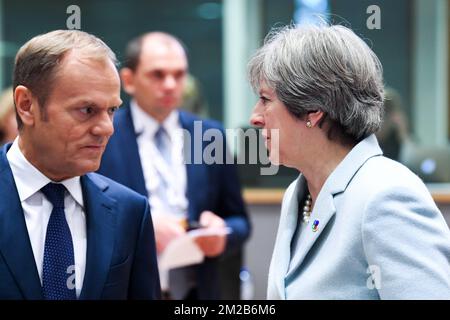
39, 60
134, 47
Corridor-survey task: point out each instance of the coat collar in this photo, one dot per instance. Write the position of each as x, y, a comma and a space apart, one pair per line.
323, 212
339, 179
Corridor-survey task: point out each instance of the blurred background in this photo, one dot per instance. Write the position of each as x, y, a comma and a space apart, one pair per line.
410, 37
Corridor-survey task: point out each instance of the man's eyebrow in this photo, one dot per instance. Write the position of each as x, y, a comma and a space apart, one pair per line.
155, 70
89, 103
84, 103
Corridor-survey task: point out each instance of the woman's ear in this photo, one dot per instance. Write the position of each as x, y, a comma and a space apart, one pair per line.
315, 117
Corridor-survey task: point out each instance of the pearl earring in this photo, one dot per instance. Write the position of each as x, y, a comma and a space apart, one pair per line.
309, 124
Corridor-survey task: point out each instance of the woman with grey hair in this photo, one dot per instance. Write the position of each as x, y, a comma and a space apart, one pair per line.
354, 224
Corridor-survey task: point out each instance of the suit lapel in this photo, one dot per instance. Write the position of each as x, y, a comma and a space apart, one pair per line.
127, 140
195, 181
100, 224
15, 245
196, 173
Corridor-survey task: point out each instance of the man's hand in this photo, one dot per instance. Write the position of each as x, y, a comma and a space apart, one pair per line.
212, 246
167, 229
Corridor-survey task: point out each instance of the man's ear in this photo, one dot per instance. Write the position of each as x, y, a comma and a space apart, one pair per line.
26, 105
127, 76
315, 117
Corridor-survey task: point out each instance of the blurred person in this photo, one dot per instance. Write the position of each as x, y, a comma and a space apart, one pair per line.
193, 99
354, 224
68, 233
146, 154
8, 124
393, 133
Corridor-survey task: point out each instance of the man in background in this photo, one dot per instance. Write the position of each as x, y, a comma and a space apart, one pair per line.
8, 123
67, 233
146, 154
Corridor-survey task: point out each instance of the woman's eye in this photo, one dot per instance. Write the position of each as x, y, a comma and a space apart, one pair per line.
264, 100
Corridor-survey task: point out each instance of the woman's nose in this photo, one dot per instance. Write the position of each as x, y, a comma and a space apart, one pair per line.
257, 119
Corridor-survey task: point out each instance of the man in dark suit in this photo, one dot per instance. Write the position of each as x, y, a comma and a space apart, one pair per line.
66, 233
146, 154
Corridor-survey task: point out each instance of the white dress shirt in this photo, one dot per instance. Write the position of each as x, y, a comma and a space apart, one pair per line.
163, 200
37, 209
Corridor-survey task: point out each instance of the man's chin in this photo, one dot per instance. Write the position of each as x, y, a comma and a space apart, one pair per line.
169, 105
87, 166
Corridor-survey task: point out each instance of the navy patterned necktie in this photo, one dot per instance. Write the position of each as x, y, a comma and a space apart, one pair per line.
59, 262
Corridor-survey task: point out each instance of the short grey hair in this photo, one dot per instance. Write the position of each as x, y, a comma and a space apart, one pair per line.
322, 67
38, 61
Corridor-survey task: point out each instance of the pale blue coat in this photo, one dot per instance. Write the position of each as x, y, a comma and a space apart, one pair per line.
380, 236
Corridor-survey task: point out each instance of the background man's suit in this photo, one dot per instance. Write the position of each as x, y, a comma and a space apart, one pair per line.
120, 258
209, 187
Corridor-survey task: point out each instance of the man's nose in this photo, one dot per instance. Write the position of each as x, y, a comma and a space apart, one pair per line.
104, 126
169, 82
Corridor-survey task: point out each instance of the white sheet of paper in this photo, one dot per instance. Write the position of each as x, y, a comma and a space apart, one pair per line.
183, 251
206, 232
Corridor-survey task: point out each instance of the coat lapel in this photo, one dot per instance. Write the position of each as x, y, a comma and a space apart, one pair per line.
282, 251
100, 224
324, 208
15, 245
322, 213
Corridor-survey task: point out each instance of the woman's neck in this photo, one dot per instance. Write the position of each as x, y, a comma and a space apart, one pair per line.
321, 164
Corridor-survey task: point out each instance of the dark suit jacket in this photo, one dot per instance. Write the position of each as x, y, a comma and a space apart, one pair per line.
212, 187
121, 253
